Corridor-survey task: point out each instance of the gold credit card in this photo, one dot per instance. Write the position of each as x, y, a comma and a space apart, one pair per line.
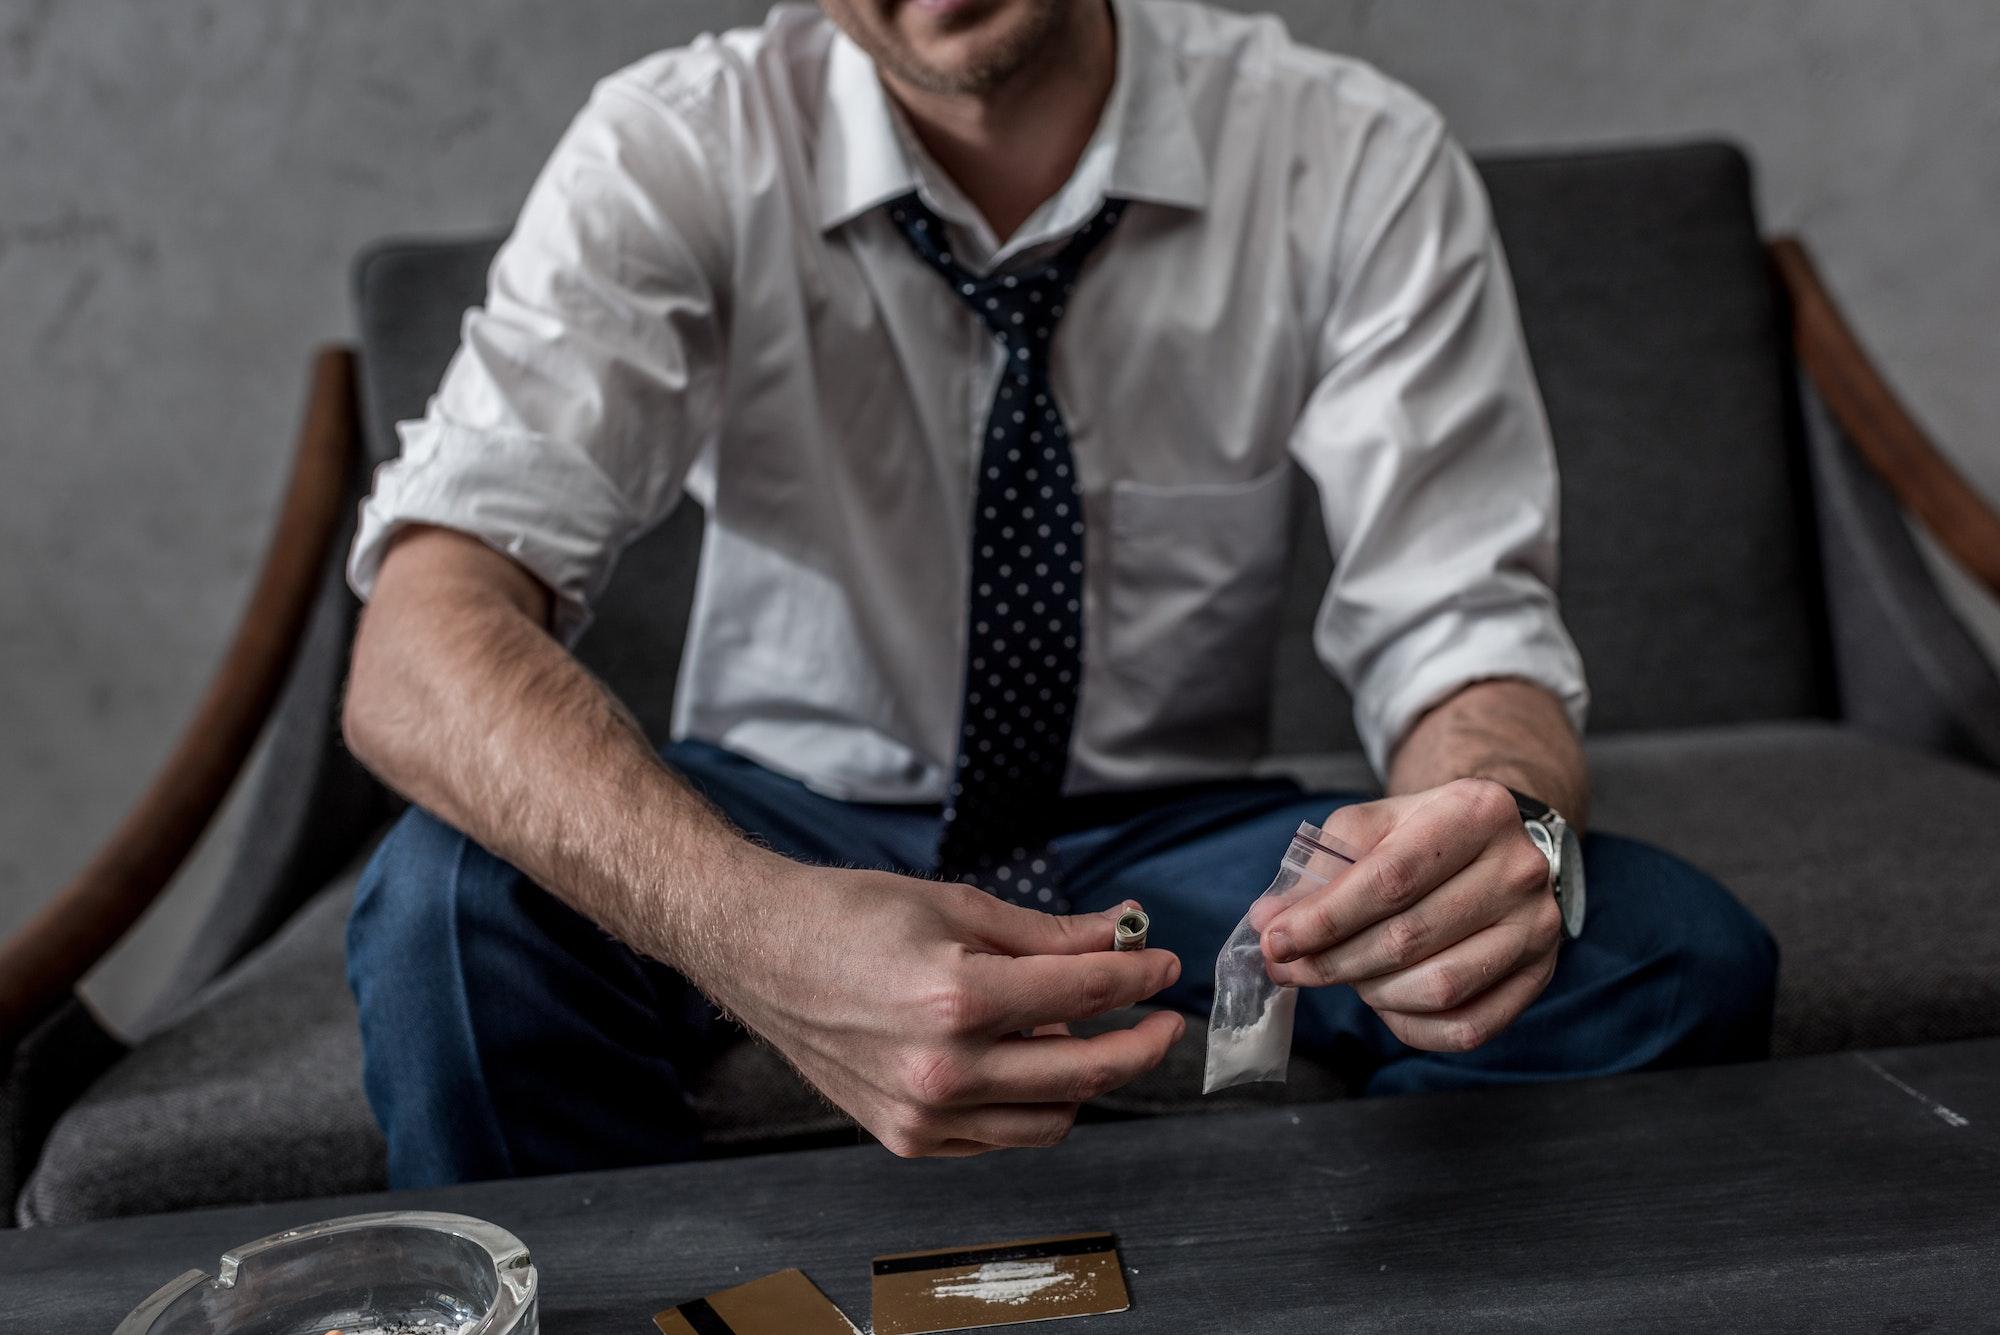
786, 1303
961, 1288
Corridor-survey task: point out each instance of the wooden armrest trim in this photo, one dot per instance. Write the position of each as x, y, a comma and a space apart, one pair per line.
52, 952
1888, 438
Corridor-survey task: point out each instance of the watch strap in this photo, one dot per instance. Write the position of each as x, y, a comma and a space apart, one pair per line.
1531, 808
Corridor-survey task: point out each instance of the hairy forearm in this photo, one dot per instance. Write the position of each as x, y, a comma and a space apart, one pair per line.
460, 700
1513, 732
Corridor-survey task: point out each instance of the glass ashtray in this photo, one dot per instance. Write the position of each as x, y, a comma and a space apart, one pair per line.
398, 1273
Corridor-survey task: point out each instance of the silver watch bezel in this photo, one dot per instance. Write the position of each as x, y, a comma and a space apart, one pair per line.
1557, 842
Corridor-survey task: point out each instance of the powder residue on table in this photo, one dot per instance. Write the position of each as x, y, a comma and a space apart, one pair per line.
1011, 1282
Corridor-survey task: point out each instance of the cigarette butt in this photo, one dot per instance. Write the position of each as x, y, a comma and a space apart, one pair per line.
1131, 930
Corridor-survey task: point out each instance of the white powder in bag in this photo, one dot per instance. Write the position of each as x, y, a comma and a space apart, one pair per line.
1258, 1051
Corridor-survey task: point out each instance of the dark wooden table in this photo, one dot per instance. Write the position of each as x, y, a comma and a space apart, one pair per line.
1852, 1192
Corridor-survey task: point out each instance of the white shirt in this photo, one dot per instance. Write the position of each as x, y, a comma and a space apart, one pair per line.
703, 296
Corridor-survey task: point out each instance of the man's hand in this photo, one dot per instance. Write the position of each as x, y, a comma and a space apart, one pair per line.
934, 1014
1446, 927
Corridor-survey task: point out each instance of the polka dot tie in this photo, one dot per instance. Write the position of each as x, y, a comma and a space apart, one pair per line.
1024, 637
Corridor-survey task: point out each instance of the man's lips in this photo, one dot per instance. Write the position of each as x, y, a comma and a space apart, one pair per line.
947, 9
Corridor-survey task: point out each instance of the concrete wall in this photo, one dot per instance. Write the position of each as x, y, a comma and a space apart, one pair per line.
182, 183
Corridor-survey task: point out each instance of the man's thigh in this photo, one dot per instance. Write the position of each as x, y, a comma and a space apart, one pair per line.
790, 818
1670, 970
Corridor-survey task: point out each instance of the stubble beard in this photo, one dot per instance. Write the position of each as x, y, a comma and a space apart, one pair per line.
1037, 30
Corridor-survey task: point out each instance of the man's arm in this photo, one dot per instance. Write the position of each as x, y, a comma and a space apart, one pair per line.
1437, 476
461, 701
1513, 732
901, 1000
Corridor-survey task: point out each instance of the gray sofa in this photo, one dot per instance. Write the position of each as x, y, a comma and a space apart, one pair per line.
1781, 696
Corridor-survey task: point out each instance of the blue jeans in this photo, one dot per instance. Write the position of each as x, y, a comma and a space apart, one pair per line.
505, 1035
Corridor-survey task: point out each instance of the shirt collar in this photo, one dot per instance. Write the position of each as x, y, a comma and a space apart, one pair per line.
1144, 147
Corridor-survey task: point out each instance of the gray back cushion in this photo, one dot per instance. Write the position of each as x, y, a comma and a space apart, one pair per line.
1689, 574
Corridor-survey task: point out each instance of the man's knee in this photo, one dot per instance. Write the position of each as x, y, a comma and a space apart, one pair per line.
1729, 970
401, 902
1719, 961
424, 894
420, 1064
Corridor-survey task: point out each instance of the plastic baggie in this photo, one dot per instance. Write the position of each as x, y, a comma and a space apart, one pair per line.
1250, 1026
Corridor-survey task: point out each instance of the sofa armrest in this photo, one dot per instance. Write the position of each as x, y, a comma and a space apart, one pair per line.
1905, 667
1879, 427
45, 959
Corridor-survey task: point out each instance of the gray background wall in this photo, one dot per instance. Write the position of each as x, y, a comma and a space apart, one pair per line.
182, 184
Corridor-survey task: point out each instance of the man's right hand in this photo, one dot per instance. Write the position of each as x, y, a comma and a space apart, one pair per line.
934, 1014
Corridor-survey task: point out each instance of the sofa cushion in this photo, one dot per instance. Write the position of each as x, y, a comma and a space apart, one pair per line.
1876, 866
251, 1092
1689, 574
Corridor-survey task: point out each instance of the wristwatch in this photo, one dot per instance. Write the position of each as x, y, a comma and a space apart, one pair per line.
1559, 844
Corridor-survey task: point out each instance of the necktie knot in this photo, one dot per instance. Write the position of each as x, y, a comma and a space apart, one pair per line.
1020, 308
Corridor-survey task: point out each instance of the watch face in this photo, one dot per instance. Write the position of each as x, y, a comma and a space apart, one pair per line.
1569, 884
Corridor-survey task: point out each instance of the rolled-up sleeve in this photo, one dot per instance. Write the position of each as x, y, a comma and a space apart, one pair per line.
588, 382
1427, 440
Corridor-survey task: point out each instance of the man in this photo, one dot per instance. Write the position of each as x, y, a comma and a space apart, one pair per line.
989, 334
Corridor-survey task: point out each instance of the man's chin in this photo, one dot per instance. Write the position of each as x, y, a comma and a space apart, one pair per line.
964, 46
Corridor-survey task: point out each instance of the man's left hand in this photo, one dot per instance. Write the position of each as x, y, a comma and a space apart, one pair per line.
1445, 927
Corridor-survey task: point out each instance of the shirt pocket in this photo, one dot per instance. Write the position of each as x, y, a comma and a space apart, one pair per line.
1196, 579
